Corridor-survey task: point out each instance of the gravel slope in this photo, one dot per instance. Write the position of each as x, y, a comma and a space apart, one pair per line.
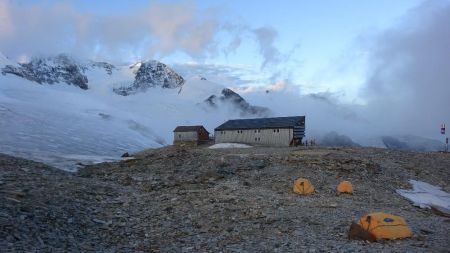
227, 200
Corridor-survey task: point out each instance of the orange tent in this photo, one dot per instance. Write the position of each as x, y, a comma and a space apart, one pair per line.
303, 186
345, 187
378, 225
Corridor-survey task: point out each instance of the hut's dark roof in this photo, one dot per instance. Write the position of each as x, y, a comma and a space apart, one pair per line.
279, 122
189, 129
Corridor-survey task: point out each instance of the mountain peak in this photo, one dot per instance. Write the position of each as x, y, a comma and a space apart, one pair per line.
151, 74
56, 69
228, 96
63, 68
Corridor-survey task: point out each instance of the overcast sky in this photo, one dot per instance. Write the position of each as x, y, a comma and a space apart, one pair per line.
390, 56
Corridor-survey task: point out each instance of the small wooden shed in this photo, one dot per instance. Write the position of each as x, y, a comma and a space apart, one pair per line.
190, 135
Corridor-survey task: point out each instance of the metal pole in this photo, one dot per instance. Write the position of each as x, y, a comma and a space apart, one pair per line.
446, 144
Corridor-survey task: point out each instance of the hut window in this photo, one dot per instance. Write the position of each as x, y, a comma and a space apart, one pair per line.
255, 131
259, 131
256, 139
274, 130
278, 130
179, 136
259, 139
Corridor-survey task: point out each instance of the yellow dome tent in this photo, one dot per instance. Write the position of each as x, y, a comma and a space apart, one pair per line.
345, 187
378, 225
303, 186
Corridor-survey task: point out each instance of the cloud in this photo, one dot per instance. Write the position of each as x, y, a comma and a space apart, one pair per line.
265, 36
181, 26
5, 20
406, 83
155, 31
227, 75
324, 113
277, 86
158, 29
237, 30
408, 86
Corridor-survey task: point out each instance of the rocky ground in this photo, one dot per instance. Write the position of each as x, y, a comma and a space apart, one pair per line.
231, 200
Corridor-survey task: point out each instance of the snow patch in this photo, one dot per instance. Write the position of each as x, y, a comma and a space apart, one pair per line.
425, 195
229, 145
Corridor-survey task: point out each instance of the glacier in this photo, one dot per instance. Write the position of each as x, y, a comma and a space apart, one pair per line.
64, 125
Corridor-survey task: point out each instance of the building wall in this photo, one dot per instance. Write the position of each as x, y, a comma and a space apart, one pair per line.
203, 135
185, 136
266, 137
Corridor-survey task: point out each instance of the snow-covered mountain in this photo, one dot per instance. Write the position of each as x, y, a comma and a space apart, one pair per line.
65, 69
56, 109
231, 97
123, 80
151, 74
50, 70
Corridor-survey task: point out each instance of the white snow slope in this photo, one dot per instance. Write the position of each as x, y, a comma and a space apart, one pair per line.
229, 145
55, 123
425, 195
